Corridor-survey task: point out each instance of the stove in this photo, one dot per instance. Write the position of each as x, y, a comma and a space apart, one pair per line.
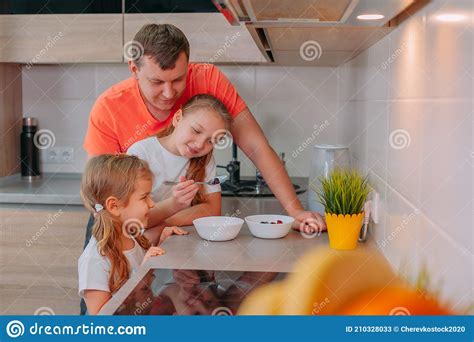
251, 188
248, 187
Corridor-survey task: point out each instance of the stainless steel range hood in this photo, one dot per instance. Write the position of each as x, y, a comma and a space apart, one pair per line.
282, 29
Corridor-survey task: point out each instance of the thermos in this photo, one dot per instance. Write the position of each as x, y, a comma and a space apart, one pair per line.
29, 151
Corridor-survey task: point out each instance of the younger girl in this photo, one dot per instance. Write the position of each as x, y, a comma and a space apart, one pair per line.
116, 188
183, 151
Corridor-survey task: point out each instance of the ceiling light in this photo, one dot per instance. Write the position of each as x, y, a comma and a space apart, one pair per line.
370, 16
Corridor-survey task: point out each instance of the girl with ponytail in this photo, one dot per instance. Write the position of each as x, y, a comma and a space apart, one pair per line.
116, 189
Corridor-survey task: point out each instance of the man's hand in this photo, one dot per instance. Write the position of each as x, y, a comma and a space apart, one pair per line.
309, 222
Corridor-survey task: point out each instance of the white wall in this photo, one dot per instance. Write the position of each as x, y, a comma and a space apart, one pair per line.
407, 114
287, 102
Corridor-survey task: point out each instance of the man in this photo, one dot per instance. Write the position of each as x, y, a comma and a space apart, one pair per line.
162, 80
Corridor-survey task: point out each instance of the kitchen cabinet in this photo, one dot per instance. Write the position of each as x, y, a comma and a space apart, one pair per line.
212, 38
60, 38
39, 249
98, 38
10, 117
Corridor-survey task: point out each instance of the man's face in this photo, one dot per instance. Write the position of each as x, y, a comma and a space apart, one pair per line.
161, 88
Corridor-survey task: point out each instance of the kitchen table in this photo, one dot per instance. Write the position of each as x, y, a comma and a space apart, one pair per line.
244, 253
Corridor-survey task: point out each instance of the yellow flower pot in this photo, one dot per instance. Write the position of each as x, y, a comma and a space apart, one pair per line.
344, 230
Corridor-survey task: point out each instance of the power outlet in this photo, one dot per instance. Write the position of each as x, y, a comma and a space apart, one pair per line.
60, 155
53, 155
375, 210
67, 155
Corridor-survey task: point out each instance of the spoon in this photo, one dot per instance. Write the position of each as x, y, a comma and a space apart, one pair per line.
215, 181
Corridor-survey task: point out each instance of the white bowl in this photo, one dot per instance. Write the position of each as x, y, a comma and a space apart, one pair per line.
268, 230
218, 228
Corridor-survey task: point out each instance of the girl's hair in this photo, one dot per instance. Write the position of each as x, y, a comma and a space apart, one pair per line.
105, 176
197, 166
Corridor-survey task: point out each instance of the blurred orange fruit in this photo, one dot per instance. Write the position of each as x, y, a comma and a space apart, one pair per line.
393, 301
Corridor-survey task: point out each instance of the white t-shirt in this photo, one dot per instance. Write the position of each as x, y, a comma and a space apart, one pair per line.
167, 166
94, 268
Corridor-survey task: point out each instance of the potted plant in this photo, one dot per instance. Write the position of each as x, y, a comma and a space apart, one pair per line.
343, 194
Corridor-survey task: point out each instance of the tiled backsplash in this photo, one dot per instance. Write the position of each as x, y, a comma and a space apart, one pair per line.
286, 101
407, 114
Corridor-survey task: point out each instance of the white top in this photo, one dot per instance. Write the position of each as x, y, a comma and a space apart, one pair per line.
167, 166
94, 268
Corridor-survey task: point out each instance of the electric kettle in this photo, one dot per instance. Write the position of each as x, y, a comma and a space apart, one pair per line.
325, 159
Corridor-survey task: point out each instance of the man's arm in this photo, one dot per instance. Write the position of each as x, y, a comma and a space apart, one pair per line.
267, 161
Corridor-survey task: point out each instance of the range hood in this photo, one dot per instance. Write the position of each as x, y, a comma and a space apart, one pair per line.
317, 32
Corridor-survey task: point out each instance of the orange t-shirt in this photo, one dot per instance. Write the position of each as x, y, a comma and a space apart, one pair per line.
119, 117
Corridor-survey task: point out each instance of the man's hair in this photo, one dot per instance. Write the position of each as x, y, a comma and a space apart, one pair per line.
163, 43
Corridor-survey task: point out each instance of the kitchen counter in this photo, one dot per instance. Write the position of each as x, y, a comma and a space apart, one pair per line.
51, 188
63, 188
